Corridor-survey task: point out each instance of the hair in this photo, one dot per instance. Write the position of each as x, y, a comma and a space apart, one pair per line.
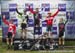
61, 18
49, 13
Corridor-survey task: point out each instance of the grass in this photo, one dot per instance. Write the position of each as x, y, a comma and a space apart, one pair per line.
3, 49
69, 43
0, 32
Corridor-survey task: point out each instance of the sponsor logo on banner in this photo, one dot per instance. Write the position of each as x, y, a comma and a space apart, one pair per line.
74, 15
70, 15
6, 14
44, 23
54, 33
38, 30
27, 6
70, 30
15, 22
12, 7
0, 21
4, 32
46, 7
62, 7
30, 23
54, 30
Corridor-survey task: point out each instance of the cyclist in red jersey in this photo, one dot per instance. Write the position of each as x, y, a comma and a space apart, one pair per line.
49, 20
11, 31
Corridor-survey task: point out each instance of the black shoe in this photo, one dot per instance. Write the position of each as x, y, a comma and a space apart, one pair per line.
62, 46
11, 46
59, 46
8, 47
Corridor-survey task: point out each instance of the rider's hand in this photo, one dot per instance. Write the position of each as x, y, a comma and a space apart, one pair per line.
3, 16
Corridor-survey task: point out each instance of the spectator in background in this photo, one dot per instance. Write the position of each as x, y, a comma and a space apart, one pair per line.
11, 31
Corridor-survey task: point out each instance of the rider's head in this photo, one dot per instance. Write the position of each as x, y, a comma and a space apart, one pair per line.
49, 14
